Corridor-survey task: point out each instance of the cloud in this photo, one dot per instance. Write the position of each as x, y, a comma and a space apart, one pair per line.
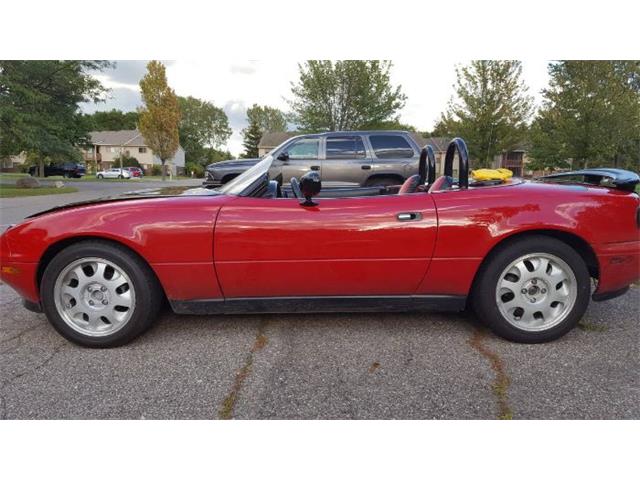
235, 85
129, 72
244, 69
124, 99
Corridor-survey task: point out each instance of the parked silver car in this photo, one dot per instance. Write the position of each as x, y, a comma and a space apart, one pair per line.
113, 173
362, 158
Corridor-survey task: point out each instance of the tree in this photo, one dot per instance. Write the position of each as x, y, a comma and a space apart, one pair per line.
112, 120
345, 95
262, 119
490, 110
213, 155
590, 114
202, 125
160, 116
251, 138
39, 111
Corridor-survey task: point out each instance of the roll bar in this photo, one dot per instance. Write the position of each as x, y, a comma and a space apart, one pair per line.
428, 163
463, 156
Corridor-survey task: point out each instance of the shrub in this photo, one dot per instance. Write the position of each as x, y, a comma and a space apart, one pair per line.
197, 169
156, 170
127, 161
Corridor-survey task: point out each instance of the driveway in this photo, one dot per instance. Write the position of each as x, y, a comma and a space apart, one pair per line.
342, 366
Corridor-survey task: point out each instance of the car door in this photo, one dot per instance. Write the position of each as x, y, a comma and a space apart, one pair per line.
360, 246
346, 162
300, 157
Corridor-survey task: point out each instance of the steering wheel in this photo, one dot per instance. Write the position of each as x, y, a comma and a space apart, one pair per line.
295, 188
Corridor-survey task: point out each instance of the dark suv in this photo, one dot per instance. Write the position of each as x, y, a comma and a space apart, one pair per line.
367, 158
67, 170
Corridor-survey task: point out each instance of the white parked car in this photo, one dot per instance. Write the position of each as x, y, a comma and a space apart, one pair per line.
113, 173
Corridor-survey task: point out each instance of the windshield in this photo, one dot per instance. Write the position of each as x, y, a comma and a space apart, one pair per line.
247, 178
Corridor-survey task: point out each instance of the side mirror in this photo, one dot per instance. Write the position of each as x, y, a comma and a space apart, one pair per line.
284, 157
310, 186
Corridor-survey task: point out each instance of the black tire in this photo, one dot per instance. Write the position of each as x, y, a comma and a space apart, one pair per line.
483, 296
149, 294
120, 177
383, 182
100, 177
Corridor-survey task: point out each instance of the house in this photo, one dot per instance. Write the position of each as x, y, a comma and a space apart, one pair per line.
12, 163
271, 140
105, 148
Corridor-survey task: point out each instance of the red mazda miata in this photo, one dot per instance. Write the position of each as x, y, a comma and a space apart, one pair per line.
520, 253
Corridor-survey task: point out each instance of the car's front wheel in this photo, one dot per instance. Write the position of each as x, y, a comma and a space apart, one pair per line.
100, 177
532, 290
99, 294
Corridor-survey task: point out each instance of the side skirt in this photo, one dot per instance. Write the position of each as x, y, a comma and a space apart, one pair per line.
395, 303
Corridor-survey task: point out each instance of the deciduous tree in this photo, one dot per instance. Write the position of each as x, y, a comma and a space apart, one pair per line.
39, 110
202, 125
344, 95
160, 116
590, 114
490, 110
112, 120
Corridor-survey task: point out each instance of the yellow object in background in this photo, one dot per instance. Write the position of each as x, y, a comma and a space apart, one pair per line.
491, 174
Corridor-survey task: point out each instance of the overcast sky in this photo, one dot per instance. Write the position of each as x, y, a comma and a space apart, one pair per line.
236, 85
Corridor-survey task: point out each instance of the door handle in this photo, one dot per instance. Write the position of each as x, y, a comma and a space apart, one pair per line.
315, 168
366, 167
409, 216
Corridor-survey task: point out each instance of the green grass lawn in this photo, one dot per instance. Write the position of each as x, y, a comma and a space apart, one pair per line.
9, 191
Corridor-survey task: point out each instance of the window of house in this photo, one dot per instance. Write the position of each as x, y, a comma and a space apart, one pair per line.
114, 149
142, 149
345, 148
304, 149
391, 146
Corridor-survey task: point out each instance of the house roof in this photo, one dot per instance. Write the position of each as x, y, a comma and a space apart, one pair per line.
439, 144
118, 137
273, 139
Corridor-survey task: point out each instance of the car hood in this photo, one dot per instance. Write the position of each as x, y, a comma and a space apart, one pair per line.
156, 192
243, 162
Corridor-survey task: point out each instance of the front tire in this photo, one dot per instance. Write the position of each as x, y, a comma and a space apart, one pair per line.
100, 177
532, 290
98, 294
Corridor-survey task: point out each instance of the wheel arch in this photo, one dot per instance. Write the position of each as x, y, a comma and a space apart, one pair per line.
55, 248
579, 244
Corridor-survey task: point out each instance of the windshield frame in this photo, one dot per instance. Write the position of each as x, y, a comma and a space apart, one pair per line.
247, 179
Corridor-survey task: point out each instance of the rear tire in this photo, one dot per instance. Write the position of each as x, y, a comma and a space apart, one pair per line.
98, 294
100, 177
532, 290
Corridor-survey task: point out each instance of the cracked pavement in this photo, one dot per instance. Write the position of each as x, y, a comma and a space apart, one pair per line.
342, 366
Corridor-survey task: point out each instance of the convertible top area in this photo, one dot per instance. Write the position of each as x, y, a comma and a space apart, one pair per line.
613, 177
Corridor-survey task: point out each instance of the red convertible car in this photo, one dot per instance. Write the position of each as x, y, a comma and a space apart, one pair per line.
522, 254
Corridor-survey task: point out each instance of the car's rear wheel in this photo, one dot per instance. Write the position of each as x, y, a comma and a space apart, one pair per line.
532, 290
100, 177
98, 294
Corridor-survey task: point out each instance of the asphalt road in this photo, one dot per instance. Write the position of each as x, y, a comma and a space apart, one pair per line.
347, 366
13, 210
380, 366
